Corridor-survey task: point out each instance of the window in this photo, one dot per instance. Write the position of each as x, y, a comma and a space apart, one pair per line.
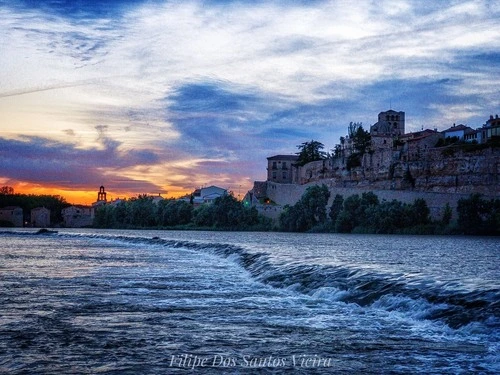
284, 165
284, 175
274, 175
274, 165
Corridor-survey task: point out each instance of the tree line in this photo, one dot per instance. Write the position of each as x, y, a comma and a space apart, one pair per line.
365, 213
225, 213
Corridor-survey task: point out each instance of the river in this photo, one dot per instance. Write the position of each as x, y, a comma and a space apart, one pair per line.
160, 302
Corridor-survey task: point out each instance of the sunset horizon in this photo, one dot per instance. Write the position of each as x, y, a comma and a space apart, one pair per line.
149, 97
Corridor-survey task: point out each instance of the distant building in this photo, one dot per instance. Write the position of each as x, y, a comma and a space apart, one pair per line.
473, 136
281, 168
116, 202
389, 123
205, 195
157, 198
491, 129
417, 144
457, 131
77, 216
40, 217
12, 214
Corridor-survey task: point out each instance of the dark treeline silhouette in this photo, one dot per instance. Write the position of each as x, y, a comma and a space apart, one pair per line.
27, 202
225, 213
367, 214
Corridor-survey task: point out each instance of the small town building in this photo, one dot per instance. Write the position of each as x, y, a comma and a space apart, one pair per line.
12, 214
281, 168
204, 195
77, 216
491, 129
457, 131
40, 217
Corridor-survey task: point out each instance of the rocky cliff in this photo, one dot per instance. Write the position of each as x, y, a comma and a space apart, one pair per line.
443, 170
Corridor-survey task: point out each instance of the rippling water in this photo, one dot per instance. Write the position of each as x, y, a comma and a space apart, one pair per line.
139, 302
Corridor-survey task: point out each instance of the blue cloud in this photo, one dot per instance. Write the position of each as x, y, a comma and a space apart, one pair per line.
40, 160
79, 8
209, 97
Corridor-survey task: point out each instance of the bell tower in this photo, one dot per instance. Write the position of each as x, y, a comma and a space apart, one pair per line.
101, 196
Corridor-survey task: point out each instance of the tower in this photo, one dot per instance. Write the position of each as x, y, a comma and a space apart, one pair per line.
101, 196
389, 123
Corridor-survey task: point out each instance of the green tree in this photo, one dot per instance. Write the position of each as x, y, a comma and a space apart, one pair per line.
347, 220
143, 211
336, 207
447, 215
361, 139
310, 151
308, 212
417, 213
174, 212
478, 216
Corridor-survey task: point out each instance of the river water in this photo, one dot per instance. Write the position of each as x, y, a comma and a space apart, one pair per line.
161, 302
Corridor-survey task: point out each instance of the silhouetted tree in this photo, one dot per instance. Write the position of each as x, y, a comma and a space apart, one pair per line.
6, 190
310, 151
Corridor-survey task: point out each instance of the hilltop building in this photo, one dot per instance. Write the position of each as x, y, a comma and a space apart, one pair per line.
491, 129
281, 168
389, 123
457, 131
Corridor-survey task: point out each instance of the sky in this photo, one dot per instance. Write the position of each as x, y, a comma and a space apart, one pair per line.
150, 97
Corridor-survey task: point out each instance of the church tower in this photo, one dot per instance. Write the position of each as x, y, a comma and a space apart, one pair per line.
389, 123
101, 196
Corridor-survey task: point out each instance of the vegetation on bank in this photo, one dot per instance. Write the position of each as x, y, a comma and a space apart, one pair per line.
225, 213
367, 214
363, 213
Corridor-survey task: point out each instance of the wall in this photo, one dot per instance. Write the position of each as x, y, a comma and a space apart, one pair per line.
284, 194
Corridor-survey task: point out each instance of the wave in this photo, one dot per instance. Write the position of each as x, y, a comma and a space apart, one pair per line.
419, 298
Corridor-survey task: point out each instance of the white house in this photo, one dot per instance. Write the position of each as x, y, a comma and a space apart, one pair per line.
457, 131
205, 195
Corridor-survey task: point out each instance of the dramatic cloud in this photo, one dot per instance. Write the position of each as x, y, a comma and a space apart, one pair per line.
181, 94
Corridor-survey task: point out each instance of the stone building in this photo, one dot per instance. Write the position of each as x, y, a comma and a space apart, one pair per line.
40, 217
389, 123
12, 214
281, 168
77, 216
491, 129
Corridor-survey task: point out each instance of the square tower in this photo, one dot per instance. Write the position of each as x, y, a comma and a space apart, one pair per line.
389, 123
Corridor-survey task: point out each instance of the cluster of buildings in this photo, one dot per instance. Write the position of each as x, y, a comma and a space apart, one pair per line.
389, 142
39, 217
78, 216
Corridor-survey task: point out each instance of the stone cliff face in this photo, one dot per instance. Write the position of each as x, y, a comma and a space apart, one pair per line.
437, 170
